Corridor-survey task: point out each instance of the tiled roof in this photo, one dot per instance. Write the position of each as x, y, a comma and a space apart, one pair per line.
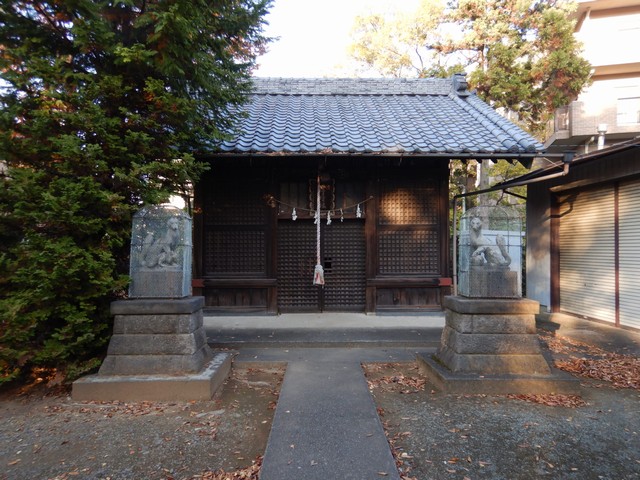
373, 116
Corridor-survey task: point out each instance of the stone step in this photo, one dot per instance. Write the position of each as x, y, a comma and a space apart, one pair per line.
294, 338
337, 330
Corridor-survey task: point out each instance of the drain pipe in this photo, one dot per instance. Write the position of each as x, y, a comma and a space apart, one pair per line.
602, 131
566, 163
587, 144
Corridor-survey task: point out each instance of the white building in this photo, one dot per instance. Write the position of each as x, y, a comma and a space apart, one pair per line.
608, 111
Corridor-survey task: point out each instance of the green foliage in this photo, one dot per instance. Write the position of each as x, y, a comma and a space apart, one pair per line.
398, 44
104, 106
520, 55
502, 171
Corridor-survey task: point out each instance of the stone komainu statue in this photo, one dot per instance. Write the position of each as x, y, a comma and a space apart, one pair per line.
483, 252
161, 252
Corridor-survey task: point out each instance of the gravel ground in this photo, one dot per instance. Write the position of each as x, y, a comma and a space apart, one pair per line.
433, 435
443, 436
52, 437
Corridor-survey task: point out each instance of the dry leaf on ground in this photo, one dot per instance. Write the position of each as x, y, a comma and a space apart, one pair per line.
249, 473
551, 400
622, 371
565, 345
392, 377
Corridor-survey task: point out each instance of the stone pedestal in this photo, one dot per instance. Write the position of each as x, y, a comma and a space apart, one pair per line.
158, 351
491, 282
491, 346
157, 336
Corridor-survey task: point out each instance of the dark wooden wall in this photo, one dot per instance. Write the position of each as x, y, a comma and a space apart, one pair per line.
394, 258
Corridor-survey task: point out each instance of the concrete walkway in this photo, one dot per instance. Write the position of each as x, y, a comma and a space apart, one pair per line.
326, 425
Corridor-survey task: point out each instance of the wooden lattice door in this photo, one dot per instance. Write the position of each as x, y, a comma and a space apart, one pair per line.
343, 259
344, 266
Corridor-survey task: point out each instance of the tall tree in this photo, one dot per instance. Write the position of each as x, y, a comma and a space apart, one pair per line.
520, 55
104, 104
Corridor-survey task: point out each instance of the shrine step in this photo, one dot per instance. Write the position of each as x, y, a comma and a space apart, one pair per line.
324, 330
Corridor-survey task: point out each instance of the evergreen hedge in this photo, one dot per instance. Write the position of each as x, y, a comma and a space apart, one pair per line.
104, 107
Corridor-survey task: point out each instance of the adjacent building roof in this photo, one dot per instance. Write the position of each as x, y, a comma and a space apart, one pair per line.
373, 116
560, 168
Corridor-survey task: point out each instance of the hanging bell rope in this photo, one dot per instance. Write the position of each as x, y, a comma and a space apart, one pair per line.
318, 274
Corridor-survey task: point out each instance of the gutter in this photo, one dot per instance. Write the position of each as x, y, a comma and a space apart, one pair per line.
567, 160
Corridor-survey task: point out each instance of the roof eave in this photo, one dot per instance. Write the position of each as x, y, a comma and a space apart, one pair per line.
568, 157
523, 156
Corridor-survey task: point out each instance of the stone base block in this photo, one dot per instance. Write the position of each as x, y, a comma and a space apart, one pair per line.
494, 364
167, 282
493, 282
490, 343
491, 346
490, 337
186, 387
157, 337
156, 364
486, 323
157, 306
472, 383
492, 306
158, 343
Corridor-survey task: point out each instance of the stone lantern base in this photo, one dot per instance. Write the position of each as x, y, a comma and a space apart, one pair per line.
491, 346
159, 352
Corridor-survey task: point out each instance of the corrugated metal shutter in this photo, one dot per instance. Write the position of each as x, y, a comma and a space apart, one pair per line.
587, 256
629, 214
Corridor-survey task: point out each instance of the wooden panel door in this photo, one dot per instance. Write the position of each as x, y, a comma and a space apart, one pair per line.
343, 260
344, 266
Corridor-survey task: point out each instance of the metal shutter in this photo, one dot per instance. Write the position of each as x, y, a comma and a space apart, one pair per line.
587, 257
629, 214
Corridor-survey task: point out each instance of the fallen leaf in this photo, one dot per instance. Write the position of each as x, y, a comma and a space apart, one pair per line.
551, 400
622, 371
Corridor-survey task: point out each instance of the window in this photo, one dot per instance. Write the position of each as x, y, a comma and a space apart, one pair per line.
629, 111
561, 119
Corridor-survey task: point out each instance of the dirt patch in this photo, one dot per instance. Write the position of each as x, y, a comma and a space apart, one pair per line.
443, 436
51, 437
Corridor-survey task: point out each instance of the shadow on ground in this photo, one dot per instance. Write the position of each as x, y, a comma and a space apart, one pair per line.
52, 437
439, 436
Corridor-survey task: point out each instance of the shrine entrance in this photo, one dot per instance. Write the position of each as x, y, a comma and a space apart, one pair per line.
343, 257
379, 243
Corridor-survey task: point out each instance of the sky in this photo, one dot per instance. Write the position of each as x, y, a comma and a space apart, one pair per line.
314, 36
